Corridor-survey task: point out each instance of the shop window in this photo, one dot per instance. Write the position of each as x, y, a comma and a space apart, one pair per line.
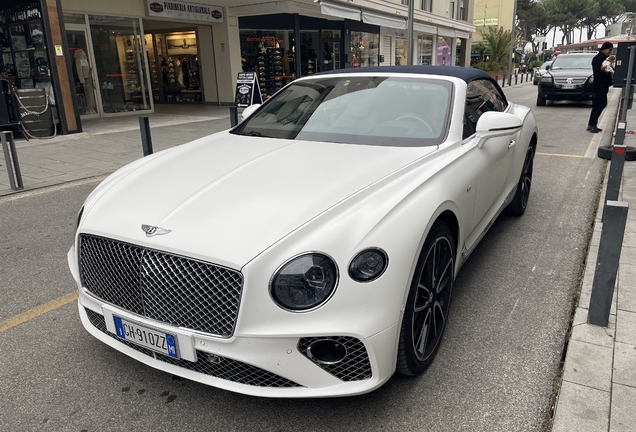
174, 67
401, 51
120, 65
364, 49
271, 54
425, 49
445, 55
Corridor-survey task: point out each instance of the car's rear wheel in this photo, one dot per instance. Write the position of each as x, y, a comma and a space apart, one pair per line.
428, 302
540, 100
518, 205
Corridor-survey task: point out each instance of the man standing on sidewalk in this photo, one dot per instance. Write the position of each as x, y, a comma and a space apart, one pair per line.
602, 82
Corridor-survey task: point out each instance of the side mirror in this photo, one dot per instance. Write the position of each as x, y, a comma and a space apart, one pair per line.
249, 111
493, 124
547, 67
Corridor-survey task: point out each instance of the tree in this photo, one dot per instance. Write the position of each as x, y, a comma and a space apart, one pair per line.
601, 15
533, 20
498, 41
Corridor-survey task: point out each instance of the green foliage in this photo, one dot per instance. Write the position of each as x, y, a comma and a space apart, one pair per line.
498, 41
535, 64
491, 66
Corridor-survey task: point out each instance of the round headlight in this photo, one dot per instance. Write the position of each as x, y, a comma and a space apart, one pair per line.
305, 282
368, 265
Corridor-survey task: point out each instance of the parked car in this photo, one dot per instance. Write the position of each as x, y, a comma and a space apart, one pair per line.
310, 250
568, 78
540, 71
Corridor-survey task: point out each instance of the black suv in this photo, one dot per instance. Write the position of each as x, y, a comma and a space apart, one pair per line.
569, 78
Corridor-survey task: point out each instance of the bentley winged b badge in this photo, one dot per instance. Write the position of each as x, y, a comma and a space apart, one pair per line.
152, 230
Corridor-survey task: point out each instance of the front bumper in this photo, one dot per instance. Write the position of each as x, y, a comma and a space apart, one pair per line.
552, 93
270, 364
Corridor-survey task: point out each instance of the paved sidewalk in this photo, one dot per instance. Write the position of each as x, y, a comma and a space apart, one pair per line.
107, 144
598, 388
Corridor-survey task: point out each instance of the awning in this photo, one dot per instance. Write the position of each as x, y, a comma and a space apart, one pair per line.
462, 35
340, 11
443, 31
383, 20
424, 28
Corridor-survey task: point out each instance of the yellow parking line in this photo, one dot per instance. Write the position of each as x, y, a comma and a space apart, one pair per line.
561, 155
37, 311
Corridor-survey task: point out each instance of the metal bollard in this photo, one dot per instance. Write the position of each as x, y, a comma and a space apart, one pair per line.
516, 78
11, 159
609, 255
146, 139
233, 116
615, 173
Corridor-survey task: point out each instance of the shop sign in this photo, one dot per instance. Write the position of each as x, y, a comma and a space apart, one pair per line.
247, 90
486, 22
185, 10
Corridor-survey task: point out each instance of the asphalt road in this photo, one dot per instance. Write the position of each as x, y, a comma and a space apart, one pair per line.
495, 370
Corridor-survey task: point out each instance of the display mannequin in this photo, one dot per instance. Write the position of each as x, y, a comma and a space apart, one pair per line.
84, 75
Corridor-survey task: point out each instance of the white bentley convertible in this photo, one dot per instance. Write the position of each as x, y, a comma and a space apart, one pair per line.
311, 250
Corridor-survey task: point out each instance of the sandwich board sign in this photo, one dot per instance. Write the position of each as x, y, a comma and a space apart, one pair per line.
247, 90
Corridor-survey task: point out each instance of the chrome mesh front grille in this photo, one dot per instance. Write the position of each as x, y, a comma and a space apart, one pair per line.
577, 81
208, 364
179, 291
354, 367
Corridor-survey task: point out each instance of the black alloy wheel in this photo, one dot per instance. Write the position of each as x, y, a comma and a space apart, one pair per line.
519, 203
428, 302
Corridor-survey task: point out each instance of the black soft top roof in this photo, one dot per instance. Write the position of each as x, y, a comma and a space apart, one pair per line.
466, 74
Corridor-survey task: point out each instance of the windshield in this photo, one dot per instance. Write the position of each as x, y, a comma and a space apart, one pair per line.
389, 111
572, 62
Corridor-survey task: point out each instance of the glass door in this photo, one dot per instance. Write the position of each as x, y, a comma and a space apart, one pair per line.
120, 64
84, 78
401, 49
330, 52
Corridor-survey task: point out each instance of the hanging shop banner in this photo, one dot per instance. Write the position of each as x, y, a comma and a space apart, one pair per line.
185, 10
247, 90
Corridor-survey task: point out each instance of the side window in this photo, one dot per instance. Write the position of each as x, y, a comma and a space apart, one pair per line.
481, 96
475, 100
498, 99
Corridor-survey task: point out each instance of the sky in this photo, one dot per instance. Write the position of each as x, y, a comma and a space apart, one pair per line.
600, 32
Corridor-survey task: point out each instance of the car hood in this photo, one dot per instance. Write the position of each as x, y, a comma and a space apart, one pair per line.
227, 198
571, 73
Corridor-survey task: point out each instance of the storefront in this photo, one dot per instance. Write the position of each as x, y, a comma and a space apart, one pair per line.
286, 46
26, 69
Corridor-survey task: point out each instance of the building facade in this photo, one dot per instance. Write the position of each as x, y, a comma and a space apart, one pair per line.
120, 57
492, 13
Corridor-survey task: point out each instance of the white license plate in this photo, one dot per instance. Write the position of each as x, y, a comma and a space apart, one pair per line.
568, 86
153, 339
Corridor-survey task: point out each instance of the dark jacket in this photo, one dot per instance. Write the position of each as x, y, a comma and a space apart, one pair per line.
602, 80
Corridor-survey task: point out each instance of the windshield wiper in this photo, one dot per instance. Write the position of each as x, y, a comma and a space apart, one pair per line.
253, 133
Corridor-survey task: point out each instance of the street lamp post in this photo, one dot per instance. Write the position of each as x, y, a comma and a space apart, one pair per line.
409, 55
512, 41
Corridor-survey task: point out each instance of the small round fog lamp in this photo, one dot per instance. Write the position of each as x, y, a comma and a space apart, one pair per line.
368, 265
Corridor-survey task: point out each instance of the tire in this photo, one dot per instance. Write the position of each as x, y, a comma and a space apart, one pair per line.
517, 206
428, 302
540, 100
605, 152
